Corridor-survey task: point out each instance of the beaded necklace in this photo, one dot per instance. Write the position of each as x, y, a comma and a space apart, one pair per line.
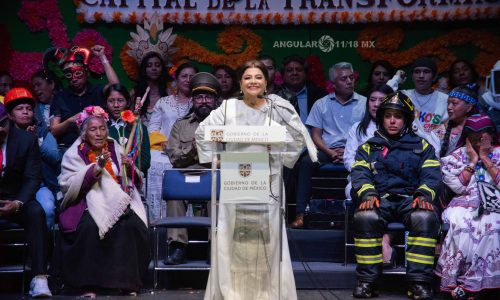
181, 110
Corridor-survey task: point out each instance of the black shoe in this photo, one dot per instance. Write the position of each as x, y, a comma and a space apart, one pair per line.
176, 256
365, 290
420, 291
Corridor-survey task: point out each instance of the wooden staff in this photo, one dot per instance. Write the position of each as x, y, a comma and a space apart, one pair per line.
134, 126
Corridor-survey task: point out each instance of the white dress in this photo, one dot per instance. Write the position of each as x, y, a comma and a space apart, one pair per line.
471, 250
166, 111
247, 270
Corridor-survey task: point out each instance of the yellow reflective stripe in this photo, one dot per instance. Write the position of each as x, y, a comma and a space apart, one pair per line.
430, 163
366, 147
364, 187
424, 144
369, 259
367, 243
425, 187
368, 240
361, 163
421, 241
420, 258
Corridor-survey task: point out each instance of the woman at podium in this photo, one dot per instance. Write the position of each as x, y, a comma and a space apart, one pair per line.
249, 259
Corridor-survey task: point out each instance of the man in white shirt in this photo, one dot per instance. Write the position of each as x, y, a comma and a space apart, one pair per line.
431, 106
330, 119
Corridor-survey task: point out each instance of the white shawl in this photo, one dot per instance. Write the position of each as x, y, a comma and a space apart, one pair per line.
106, 201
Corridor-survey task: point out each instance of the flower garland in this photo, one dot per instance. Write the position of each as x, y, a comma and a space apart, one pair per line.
45, 14
91, 111
276, 18
389, 38
230, 41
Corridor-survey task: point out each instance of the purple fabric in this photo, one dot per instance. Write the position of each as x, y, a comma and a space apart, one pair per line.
478, 122
70, 217
3, 112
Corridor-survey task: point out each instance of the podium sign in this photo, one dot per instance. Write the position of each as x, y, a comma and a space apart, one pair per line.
244, 177
246, 134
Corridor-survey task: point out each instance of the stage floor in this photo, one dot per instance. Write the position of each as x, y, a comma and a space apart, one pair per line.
198, 295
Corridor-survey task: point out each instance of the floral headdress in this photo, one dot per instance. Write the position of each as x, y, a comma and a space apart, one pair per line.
91, 111
152, 38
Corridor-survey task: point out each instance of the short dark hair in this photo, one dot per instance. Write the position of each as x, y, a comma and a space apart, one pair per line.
186, 65
267, 57
384, 64
295, 58
48, 76
475, 75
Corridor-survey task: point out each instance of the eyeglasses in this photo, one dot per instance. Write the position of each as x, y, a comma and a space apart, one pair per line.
75, 72
201, 97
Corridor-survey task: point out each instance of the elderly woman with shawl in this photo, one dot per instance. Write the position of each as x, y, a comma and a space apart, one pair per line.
105, 235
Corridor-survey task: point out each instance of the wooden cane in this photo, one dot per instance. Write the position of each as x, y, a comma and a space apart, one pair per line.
134, 126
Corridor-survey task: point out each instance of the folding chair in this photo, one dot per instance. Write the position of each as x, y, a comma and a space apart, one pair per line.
328, 184
187, 185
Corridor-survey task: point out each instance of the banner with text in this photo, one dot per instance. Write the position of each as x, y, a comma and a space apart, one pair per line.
285, 11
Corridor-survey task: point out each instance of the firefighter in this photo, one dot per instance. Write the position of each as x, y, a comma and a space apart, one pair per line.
396, 177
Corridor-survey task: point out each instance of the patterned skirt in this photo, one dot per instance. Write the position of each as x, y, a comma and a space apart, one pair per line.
471, 251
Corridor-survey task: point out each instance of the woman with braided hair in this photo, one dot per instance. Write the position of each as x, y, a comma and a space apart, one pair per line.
462, 101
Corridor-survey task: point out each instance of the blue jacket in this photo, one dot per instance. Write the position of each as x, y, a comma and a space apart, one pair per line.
392, 168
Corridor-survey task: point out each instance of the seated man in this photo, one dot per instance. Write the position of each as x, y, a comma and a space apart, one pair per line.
182, 151
20, 106
330, 119
396, 178
20, 177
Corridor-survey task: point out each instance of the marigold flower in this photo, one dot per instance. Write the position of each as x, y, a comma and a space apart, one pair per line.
128, 116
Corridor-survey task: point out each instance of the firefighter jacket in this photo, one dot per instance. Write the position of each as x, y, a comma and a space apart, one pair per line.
403, 167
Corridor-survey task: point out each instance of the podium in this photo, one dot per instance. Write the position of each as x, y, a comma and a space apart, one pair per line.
249, 252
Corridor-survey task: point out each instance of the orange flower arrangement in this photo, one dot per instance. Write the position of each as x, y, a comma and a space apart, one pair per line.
230, 41
128, 116
129, 63
389, 38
